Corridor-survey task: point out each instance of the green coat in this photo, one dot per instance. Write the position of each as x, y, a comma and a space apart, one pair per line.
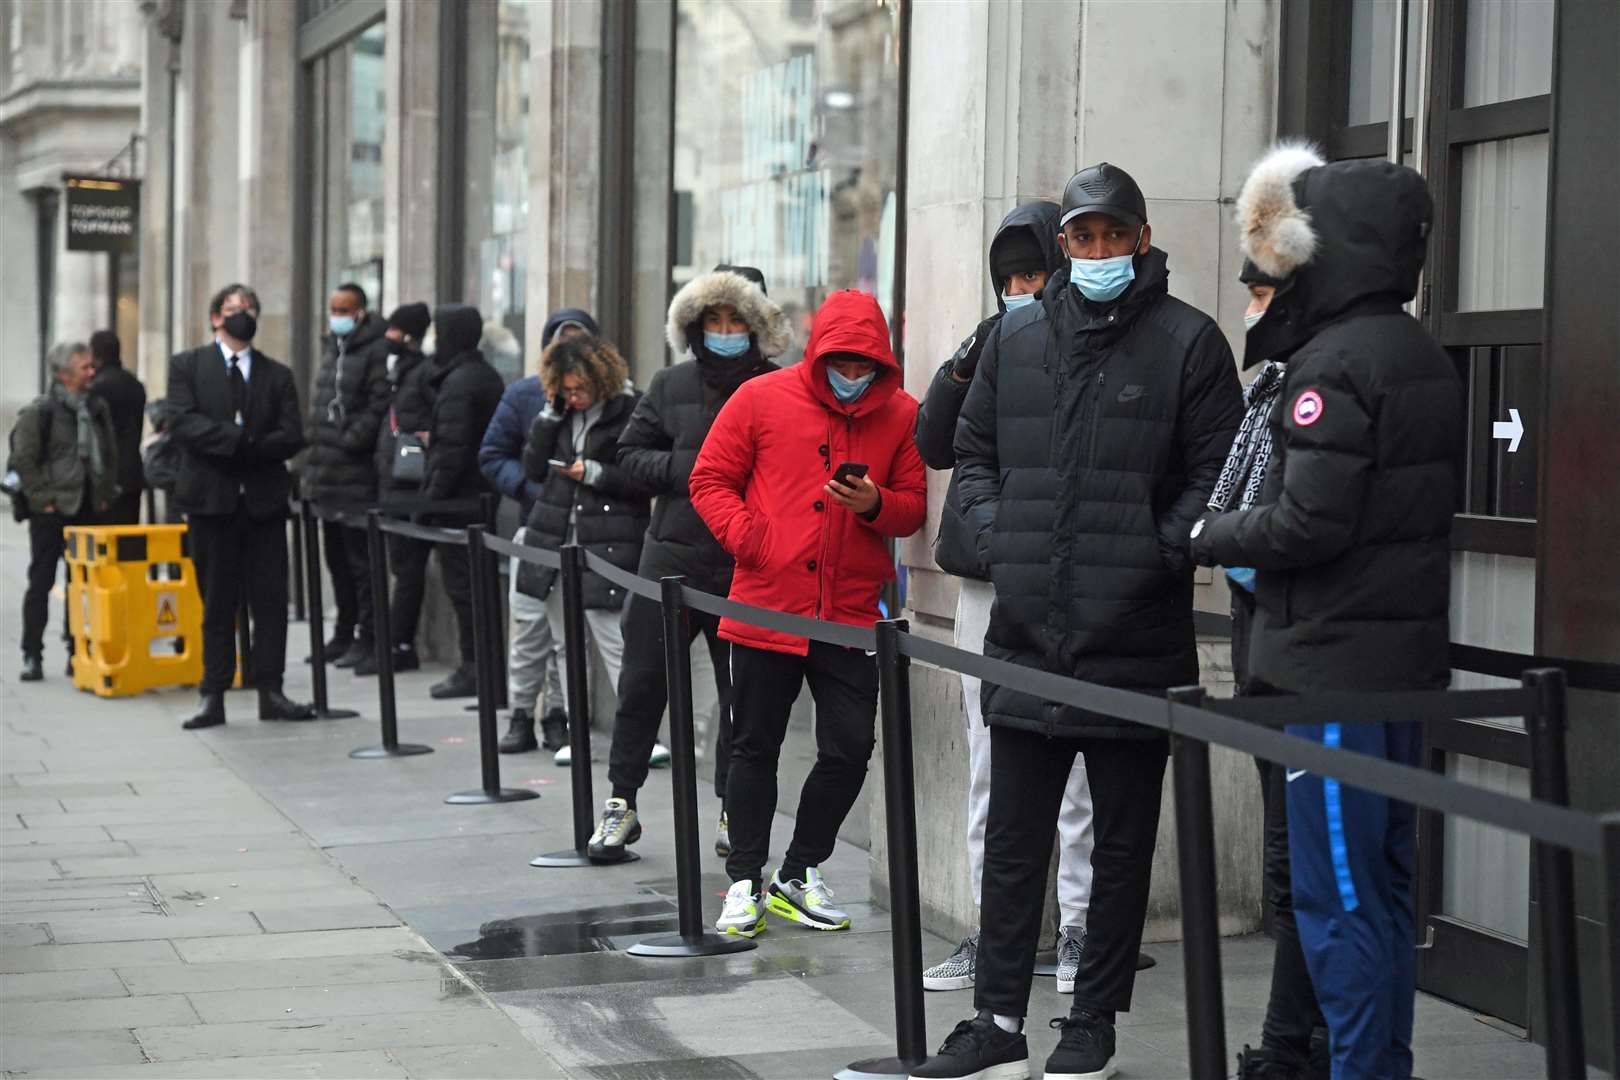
59, 479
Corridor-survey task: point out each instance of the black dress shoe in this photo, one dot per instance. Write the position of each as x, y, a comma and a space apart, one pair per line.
33, 670
210, 713
336, 647
274, 705
356, 652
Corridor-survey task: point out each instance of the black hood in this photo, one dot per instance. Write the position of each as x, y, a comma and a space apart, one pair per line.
1371, 221
555, 320
1040, 218
457, 328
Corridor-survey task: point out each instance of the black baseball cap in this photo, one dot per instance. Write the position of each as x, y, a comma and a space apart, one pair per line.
1104, 189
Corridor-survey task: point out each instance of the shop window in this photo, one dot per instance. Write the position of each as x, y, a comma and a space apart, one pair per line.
786, 135
347, 207
495, 193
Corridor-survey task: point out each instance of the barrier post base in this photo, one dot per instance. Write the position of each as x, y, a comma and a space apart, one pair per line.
570, 857
336, 714
480, 796
889, 1068
702, 944
404, 749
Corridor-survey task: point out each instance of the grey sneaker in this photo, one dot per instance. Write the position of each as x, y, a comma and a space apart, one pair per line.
617, 828
1071, 942
807, 902
956, 971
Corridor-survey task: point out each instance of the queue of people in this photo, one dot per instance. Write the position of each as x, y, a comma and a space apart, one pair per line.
1102, 447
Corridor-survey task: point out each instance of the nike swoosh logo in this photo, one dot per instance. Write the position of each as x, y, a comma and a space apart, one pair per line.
1295, 774
1131, 393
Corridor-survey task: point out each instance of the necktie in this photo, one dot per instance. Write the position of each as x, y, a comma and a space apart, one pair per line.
238, 388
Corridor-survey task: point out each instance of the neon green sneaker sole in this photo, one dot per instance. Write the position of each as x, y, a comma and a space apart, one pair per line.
747, 932
781, 908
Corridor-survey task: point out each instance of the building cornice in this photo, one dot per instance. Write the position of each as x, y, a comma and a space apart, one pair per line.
69, 96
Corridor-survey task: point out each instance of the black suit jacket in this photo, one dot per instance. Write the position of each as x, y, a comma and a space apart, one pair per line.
222, 463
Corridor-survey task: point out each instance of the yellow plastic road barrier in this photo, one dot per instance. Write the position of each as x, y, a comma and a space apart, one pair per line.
133, 608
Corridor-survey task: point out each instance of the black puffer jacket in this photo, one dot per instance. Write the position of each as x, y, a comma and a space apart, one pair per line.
1091, 438
465, 390
610, 516
956, 547
661, 443
348, 406
410, 408
1351, 538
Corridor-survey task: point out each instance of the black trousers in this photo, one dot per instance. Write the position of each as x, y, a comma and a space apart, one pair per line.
1028, 774
45, 546
340, 567
457, 571
644, 693
844, 684
237, 557
1292, 1012
407, 562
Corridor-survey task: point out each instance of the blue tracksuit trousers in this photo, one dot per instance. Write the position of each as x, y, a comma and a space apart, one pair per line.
1352, 857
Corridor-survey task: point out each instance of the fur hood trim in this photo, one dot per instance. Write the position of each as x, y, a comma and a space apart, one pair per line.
1276, 233
761, 313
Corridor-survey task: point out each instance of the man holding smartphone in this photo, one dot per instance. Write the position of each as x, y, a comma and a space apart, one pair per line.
806, 475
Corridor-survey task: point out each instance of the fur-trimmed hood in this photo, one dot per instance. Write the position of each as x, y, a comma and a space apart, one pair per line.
1341, 237
770, 326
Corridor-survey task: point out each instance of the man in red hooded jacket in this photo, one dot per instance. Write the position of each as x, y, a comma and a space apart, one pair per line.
812, 545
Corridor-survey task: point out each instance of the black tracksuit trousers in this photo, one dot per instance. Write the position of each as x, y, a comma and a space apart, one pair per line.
1292, 1012
407, 562
345, 589
644, 693
1028, 775
765, 684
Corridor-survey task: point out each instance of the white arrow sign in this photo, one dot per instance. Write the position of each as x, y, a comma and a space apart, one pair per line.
1512, 429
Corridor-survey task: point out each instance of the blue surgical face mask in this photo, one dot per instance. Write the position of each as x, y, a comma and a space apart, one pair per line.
342, 325
726, 345
1100, 280
1015, 302
849, 390
1251, 321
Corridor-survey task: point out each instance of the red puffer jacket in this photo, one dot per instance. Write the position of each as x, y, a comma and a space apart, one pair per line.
759, 478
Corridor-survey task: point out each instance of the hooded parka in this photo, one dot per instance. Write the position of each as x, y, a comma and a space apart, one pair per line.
348, 407
956, 547
1350, 539
609, 516
758, 481
464, 389
660, 444
1088, 445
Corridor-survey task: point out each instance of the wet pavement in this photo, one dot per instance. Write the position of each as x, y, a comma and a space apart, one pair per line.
372, 930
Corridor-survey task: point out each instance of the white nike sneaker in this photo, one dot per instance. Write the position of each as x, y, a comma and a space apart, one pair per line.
659, 756
807, 902
742, 915
563, 757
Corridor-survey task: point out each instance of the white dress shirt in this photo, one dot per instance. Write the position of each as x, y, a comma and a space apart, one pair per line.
244, 361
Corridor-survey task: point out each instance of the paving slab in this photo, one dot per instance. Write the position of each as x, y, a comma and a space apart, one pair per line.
283, 920
292, 1035
20, 837
115, 954
72, 928
350, 1065
503, 1062
96, 1014
50, 985
325, 971
446, 993
187, 862
26, 1053
286, 946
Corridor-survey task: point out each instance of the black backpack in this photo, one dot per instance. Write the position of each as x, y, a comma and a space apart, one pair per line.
12, 484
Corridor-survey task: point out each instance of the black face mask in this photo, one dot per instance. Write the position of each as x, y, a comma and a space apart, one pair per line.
395, 348
241, 325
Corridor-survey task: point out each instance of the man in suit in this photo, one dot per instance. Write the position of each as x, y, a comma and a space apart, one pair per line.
236, 423
126, 398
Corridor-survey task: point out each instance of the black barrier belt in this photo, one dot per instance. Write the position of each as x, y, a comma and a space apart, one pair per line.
1342, 707
430, 533
1579, 674
624, 579
524, 552
1542, 821
828, 633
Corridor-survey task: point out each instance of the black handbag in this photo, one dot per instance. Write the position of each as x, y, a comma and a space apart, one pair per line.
408, 467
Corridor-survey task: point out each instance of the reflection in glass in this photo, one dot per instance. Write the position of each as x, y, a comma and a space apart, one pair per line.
496, 197
785, 146
1476, 853
346, 223
1372, 54
1510, 49
1502, 224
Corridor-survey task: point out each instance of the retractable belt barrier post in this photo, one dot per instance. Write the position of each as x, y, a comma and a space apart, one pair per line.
1611, 932
317, 617
577, 667
905, 904
484, 644
1200, 927
693, 939
1555, 882
244, 645
383, 632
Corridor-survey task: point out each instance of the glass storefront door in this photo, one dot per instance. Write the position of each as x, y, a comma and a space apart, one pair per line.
785, 156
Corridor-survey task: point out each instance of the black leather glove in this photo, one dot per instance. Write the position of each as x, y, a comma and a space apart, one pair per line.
966, 360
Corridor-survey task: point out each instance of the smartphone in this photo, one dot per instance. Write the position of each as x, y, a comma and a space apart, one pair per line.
557, 463
848, 471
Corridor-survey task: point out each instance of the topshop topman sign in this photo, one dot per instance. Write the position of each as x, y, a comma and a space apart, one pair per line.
103, 213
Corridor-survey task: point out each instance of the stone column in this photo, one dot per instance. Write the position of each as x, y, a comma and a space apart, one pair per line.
1008, 99
158, 335
410, 151
268, 234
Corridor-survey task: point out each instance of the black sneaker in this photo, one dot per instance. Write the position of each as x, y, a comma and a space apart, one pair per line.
357, 651
978, 1050
458, 684
554, 730
1255, 1064
1085, 1050
336, 646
